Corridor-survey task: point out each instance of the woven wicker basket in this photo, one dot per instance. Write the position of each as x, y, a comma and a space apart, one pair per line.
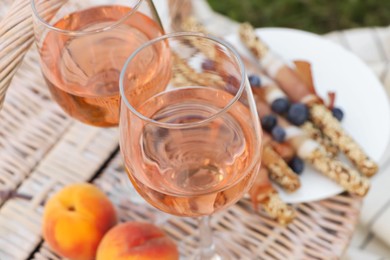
42, 149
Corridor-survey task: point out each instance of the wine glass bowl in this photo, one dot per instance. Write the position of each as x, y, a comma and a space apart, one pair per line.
192, 146
83, 46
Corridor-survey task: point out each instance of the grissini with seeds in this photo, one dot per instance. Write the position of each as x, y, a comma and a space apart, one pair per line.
186, 74
278, 169
316, 134
301, 89
262, 193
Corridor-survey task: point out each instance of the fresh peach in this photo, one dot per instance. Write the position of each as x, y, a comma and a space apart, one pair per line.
136, 240
75, 220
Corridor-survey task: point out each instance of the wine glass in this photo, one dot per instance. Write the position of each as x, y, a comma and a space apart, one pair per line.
83, 45
192, 145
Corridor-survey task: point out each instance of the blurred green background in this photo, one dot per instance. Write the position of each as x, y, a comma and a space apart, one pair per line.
319, 16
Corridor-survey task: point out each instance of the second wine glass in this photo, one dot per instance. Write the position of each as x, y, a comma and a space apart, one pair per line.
83, 46
192, 146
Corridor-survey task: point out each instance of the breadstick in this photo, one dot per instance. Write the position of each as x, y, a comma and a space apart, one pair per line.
187, 75
300, 91
316, 134
278, 169
330, 126
264, 194
192, 25
274, 66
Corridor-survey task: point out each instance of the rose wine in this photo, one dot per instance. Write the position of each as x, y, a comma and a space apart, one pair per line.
191, 171
82, 71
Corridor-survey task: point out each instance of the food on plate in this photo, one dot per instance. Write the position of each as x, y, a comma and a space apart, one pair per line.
284, 150
189, 75
254, 81
278, 134
298, 114
136, 240
268, 122
262, 193
271, 92
280, 105
316, 134
338, 113
311, 151
297, 164
75, 219
278, 169
298, 86
298, 111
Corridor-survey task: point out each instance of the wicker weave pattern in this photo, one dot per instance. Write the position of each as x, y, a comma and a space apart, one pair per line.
15, 39
69, 161
30, 108
41, 150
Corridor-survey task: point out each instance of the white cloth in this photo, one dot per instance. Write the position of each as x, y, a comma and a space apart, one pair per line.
372, 237
371, 240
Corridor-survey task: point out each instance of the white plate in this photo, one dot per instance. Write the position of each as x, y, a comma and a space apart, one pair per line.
359, 94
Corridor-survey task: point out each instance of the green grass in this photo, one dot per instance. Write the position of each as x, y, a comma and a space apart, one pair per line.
319, 16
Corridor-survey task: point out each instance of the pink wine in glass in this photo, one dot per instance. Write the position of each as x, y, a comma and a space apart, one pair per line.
191, 171
82, 70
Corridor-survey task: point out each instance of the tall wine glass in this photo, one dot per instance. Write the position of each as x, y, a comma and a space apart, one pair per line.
191, 146
83, 45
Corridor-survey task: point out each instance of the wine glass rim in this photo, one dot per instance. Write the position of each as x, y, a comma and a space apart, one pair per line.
191, 124
81, 33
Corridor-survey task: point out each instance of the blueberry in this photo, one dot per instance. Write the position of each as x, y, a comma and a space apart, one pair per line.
297, 165
208, 65
268, 122
255, 81
279, 134
338, 113
298, 114
280, 105
232, 85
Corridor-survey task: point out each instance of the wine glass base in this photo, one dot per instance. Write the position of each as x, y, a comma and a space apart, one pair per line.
210, 256
189, 248
213, 257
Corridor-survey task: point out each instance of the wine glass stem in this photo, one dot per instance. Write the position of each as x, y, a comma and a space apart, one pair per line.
207, 248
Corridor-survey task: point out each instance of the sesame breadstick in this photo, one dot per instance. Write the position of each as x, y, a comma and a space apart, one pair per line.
192, 25
278, 169
316, 134
330, 126
264, 194
188, 75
